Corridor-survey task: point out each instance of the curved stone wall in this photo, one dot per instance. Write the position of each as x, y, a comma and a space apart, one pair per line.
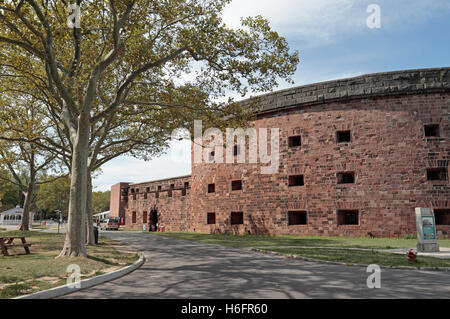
396, 159
389, 156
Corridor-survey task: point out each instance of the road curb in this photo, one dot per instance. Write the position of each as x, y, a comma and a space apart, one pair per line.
86, 283
445, 269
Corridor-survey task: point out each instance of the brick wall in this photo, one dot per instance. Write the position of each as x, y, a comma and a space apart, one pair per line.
118, 200
154, 197
388, 154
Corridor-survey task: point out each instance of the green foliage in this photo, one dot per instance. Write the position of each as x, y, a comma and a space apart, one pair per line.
8, 279
54, 196
162, 65
10, 194
12, 198
100, 202
15, 290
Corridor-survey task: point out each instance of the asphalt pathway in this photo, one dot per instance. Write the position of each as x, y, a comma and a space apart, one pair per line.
182, 269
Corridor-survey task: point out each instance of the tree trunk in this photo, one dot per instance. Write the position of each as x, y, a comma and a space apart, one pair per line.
90, 240
75, 244
25, 223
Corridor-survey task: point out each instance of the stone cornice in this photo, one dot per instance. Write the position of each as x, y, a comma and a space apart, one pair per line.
364, 86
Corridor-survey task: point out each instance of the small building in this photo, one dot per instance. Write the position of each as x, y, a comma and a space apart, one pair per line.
13, 216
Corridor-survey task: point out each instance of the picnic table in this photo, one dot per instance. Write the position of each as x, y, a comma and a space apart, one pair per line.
8, 242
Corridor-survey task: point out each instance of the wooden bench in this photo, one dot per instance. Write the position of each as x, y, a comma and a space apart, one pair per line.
8, 242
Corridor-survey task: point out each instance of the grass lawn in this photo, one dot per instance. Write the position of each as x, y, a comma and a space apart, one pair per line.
363, 257
40, 227
299, 246
48, 225
22, 274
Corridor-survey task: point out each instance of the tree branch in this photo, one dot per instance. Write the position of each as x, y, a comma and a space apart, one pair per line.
131, 78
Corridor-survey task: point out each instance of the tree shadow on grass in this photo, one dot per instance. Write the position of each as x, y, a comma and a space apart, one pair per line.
102, 260
234, 240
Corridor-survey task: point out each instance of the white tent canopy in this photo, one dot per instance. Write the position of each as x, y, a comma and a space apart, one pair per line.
13, 216
101, 216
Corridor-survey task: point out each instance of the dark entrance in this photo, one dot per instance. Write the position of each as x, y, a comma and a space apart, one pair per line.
153, 220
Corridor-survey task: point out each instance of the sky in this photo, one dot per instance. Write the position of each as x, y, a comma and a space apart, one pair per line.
334, 41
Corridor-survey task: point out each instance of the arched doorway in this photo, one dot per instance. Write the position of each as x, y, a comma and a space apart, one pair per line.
153, 220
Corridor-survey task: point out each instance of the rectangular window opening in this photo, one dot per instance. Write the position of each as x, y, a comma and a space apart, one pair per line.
236, 185
297, 218
295, 141
211, 218
431, 130
346, 178
437, 174
348, 217
237, 218
343, 137
442, 216
211, 188
133, 217
296, 180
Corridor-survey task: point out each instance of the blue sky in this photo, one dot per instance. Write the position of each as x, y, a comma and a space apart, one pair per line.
334, 42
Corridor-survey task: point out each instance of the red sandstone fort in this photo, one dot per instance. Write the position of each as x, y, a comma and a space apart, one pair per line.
357, 155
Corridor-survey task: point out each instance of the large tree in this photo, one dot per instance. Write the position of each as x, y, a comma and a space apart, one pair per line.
27, 164
165, 62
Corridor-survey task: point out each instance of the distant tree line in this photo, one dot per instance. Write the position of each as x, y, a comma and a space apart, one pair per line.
48, 198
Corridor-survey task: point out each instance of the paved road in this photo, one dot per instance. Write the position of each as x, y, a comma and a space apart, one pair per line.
184, 269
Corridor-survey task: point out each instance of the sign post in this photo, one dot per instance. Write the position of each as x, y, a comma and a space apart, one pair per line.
426, 231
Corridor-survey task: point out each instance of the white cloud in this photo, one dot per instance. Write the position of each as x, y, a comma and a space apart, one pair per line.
320, 22
312, 20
